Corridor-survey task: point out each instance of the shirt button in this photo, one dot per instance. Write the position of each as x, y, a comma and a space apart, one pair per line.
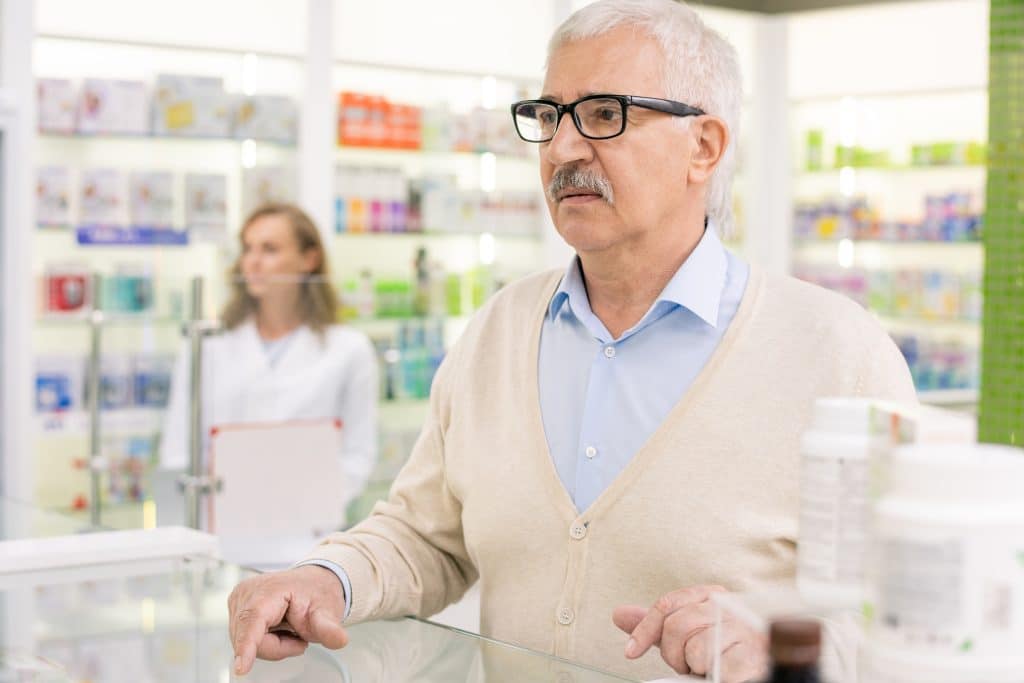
590, 452
565, 616
565, 677
609, 352
578, 531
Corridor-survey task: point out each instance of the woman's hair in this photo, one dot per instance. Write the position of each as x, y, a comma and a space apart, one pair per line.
701, 69
317, 300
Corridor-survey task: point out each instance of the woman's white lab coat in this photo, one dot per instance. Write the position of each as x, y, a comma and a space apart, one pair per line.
335, 375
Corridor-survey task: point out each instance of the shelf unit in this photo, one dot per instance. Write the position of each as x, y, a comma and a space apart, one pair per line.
888, 116
61, 54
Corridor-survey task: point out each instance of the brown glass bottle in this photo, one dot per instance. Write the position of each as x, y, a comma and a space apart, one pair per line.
795, 647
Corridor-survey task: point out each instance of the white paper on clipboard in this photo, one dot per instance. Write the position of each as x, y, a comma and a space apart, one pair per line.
277, 479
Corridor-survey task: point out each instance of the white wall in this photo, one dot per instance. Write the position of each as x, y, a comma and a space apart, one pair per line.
262, 26
487, 36
889, 48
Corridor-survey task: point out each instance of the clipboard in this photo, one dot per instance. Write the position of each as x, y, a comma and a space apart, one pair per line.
276, 479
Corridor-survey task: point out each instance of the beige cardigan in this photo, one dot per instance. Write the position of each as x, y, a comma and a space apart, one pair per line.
710, 498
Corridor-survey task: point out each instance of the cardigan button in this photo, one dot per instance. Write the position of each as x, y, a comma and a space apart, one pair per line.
566, 616
578, 531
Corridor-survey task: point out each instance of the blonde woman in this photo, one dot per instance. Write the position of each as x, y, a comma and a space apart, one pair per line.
281, 356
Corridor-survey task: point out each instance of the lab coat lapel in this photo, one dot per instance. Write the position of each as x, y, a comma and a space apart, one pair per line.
300, 353
250, 349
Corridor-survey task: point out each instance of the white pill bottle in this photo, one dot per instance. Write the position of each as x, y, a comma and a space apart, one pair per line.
836, 455
946, 578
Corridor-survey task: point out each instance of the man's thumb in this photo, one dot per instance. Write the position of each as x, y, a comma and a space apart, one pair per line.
327, 630
626, 617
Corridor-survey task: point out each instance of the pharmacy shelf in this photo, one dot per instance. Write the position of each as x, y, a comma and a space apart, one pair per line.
896, 244
403, 413
966, 330
60, 322
933, 168
438, 234
379, 154
949, 397
946, 91
108, 138
121, 421
878, 255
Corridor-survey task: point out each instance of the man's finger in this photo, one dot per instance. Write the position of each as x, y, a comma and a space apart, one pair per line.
679, 627
280, 645
648, 631
737, 642
744, 662
626, 617
699, 649
251, 625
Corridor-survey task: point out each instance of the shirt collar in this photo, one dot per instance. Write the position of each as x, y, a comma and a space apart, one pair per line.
696, 286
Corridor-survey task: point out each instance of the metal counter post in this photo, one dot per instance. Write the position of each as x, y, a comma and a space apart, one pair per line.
195, 484
96, 463
193, 498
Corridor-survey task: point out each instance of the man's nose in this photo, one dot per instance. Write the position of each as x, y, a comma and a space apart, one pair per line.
568, 145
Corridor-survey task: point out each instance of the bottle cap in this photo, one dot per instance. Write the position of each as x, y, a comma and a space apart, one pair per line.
795, 642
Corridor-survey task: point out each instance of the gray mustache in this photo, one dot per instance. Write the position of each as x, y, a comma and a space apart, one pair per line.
577, 178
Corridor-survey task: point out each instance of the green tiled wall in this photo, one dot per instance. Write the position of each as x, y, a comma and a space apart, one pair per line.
1001, 418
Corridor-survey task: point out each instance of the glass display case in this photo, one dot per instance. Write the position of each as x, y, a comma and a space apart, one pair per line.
168, 622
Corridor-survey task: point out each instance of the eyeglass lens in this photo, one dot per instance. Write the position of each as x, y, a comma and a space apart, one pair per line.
596, 118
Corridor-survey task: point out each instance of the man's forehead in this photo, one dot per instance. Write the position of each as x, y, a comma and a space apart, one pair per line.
617, 62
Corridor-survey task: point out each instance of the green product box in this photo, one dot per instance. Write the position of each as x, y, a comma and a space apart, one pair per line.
943, 153
845, 156
815, 149
920, 155
453, 294
976, 154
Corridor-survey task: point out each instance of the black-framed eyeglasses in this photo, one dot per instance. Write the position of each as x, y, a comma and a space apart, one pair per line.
597, 117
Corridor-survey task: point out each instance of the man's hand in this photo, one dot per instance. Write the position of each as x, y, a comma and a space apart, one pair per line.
277, 615
681, 624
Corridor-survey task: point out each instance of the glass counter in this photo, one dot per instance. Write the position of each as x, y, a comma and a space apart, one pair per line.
167, 622
20, 520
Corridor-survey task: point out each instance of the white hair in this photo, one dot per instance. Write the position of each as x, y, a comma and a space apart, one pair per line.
701, 69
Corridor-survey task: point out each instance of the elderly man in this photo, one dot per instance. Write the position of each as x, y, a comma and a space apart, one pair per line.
608, 445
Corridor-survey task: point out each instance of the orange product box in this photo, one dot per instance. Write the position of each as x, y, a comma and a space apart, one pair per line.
376, 108
413, 132
353, 115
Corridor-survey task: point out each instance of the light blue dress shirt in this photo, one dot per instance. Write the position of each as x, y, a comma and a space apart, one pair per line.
602, 398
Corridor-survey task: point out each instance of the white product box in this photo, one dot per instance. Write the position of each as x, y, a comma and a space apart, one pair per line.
102, 197
266, 117
152, 199
55, 103
264, 184
206, 206
191, 106
113, 107
53, 196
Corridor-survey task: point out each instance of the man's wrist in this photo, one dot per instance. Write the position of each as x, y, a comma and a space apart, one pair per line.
340, 574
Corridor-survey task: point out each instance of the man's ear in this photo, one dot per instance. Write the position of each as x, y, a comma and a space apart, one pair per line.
710, 139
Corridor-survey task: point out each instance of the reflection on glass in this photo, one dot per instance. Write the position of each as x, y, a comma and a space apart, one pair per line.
137, 622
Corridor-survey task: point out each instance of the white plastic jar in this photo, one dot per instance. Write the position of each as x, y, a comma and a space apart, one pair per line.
834, 481
947, 575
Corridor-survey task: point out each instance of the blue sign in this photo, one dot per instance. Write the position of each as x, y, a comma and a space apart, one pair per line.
130, 236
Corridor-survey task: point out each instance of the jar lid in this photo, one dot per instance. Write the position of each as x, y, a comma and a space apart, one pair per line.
950, 473
795, 642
